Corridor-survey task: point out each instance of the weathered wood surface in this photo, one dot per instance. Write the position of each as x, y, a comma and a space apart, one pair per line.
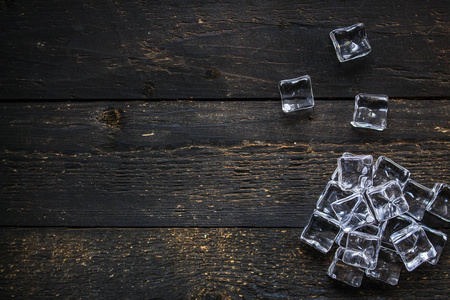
217, 49
205, 263
206, 163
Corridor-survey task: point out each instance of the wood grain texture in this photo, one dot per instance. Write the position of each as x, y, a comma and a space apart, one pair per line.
205, 163
217, 49
190, 263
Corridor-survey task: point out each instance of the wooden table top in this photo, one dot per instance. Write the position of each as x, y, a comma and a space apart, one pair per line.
145, 154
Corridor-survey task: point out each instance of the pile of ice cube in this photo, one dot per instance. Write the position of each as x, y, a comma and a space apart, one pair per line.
371, 211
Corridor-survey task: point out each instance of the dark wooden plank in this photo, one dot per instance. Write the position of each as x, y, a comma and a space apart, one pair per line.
187, 264
217, 49
195, 163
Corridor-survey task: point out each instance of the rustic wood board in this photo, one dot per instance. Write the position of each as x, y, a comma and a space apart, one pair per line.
175, 263
217, 49
204, 163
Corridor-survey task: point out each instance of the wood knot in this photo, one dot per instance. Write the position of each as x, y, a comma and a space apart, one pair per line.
211, 73
112, 118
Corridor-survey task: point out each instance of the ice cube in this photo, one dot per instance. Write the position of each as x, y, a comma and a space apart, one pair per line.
372, 229
388, 268
332, 193
413, 246
387, 170
418, 197
350, 42
439, 205
438, 240
353, 211
296, 93
320, 232
355, 172
387, 201
370, 111
393, 225
340, 271
362, 250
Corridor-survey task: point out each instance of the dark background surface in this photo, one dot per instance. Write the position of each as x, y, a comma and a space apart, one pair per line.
144, 152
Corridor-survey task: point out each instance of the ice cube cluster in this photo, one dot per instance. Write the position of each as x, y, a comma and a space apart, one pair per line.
372, 211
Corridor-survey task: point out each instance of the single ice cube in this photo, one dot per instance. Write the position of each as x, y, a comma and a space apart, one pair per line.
394, 225
340, 271
387, 201
320, 232
350, 42
413, 246
418, 197
370, 111
355, 172
438, 240
332, 193
372, 229
335, 176
362, 250
439, 205
388, 267
296, 93
353, 211
387, 170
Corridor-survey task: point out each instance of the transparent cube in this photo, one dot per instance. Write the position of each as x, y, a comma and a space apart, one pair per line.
362, 250
320, 232
355, 172
335, 176
439, 205
332, 193
438, 240
372, 229
388, 268
296, 93
370, 111
394, 225
341, 271
350, 42
418, 197
386, 170
413, 246
387, 201
353, 211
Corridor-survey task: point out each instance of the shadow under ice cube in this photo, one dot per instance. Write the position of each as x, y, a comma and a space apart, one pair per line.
350, 42
320, 232
370, 111
296, 94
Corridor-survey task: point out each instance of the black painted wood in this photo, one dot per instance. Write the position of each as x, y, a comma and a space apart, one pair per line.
190, 263
217, 49
207, 163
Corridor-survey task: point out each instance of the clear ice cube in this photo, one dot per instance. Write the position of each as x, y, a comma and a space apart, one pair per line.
388, 268
296, 93
332, 193
387, 201
438, 240
355, 172
372, 229
394, 225
370, 111
340, 271
362, 250
353, 211
350, 42
413, 246
418, 197
387, 170
439, 205
320, 232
